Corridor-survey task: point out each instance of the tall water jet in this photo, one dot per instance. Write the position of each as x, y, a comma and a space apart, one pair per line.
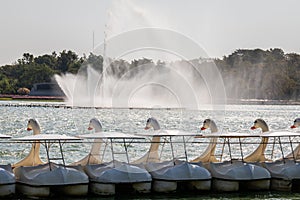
129, 79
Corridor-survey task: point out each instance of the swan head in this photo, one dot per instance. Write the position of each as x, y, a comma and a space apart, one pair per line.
260, 123
33, 125
208, 123
296, 123
95, 124
152, 123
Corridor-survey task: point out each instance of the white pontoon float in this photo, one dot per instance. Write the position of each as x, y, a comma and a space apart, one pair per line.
105, 177
48, 179
7, 178
168, 174
235, 174
285, 172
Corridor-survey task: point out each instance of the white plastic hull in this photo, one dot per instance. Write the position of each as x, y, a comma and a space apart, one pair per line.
71, 190
281, 185
285, 185
234, 186
46, 191
142, 188
256, 185
225, 185
7, 190
171, 186
164, 186
102, 189
204, 185
33, 191
107, 189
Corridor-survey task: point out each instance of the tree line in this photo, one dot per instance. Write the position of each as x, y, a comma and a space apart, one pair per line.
247, 73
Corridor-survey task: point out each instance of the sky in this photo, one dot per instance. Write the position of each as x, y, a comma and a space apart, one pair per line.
219, 27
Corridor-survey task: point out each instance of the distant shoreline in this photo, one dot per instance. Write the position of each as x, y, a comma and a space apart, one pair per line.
262, 102
7, 97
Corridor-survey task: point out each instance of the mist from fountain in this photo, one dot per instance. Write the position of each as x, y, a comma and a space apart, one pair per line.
184, 83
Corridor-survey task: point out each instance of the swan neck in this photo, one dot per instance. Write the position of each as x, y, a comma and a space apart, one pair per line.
156, 126
98, 129
264, 128
213, 127
36, 131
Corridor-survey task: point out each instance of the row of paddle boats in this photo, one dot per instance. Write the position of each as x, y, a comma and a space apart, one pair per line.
34, 178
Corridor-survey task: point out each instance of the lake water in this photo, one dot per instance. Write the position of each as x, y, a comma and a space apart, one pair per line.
56, 118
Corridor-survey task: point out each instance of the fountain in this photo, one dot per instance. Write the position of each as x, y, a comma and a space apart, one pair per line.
181, 81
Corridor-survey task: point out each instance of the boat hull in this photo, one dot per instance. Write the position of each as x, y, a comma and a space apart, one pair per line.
285, 175
106, 179
33, 191
164, 186
171, 176
281, 185
44, 181
107, 189
7, 190
7, 181
77, 190
204, 185
220, 185
102, 189
237, 175
46, 191
255, 185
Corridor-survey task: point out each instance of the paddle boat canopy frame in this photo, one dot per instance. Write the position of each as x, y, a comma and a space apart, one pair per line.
277, 139
277, 136
167, 136
110, 138
47, 140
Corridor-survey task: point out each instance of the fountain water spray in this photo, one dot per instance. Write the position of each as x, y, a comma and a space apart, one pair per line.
185, 82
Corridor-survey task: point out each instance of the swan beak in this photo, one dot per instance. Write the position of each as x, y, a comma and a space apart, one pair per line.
29, 129
90, 128
293, 126
253, 127
203, 128
146, 128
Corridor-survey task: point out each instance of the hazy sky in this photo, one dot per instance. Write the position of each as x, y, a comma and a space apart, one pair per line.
219, 27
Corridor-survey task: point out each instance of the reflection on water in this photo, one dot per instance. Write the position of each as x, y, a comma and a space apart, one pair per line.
63, 120
195, 196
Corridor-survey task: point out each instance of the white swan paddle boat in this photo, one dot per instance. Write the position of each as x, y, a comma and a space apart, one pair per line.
285, 172
169, 174
105, 178
235, 174
48, 179
94, 157
7, 178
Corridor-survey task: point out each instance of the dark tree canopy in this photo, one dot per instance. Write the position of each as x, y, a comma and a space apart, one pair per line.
247, 73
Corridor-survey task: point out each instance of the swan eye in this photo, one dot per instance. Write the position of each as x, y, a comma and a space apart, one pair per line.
295, 121
255, 122
204, 121
148, 120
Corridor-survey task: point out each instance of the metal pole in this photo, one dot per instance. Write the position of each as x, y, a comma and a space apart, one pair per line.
61, 152
112, 152
272, 153
229, 149
172, 150
126, 150
293, 153
184, 146
241, 149
281, 149
47, 152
